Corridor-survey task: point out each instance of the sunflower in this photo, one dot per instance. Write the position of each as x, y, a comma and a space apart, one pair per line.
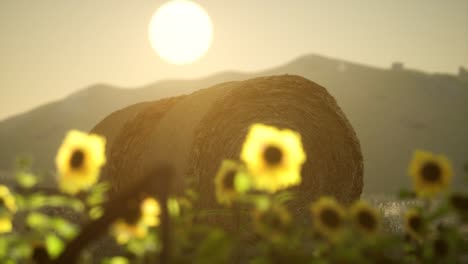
123, 231
414, 224
7, 201
7, 209
5, 224
273, 157
79, 161
365, 217
230, 182
137, 223
272, 222
328, 216
431, 173
150, 211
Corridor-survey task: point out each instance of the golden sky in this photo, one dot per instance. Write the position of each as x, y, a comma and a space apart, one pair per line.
51, 48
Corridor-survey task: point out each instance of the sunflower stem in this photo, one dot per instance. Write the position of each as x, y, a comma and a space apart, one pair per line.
113, 210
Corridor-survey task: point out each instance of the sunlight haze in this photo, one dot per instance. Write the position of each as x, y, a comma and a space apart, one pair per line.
52, 48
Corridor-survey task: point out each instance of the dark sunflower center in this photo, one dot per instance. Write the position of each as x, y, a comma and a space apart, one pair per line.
460, 202
272, 155
330, 218
77, 159
228, 180
440, 247
2, 203
132, 216
415, 223
431, 172
367, 220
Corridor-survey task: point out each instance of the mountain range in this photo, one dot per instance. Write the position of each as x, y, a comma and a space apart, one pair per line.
394, 111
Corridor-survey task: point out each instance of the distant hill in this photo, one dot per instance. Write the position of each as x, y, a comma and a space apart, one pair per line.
392, 110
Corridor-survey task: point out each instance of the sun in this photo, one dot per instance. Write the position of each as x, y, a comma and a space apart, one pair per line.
180, 32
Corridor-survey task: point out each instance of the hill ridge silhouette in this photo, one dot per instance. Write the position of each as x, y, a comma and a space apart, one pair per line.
393, 112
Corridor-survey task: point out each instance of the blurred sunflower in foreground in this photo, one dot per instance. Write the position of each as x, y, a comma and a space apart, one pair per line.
230, 182
431, 173
79, 161
136, 225
328, 217
7, 209
273, 157
365, 217
414, 224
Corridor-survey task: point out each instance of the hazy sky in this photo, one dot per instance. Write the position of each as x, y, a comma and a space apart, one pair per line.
51, 48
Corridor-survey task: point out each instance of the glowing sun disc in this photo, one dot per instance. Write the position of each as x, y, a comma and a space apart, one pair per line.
180, 31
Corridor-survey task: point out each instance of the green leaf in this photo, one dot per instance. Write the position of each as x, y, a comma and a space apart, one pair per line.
117, 260
406, 194
54, 245
95, 199
284, 196
76, 205
37, 220
97, 194
242, 182
173, 207
21, 250
218, 240
96, 212
136, 247
57, 200
21, 202
62, 201
191, 194
262, 202
36, 200
3, 248
26, 179
64, 228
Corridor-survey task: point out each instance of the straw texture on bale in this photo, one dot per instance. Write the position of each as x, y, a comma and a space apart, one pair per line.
112, 125
125, 131
194, 133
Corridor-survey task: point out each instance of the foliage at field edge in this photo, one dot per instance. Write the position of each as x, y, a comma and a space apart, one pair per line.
254, 222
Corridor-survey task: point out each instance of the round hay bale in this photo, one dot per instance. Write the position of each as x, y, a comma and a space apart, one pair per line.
194, 133
111, 126
334, 161
127, 132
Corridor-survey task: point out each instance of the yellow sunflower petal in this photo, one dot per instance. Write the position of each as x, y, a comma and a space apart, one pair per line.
5, 225
123, 232
151, 210
4, 191
7, 199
